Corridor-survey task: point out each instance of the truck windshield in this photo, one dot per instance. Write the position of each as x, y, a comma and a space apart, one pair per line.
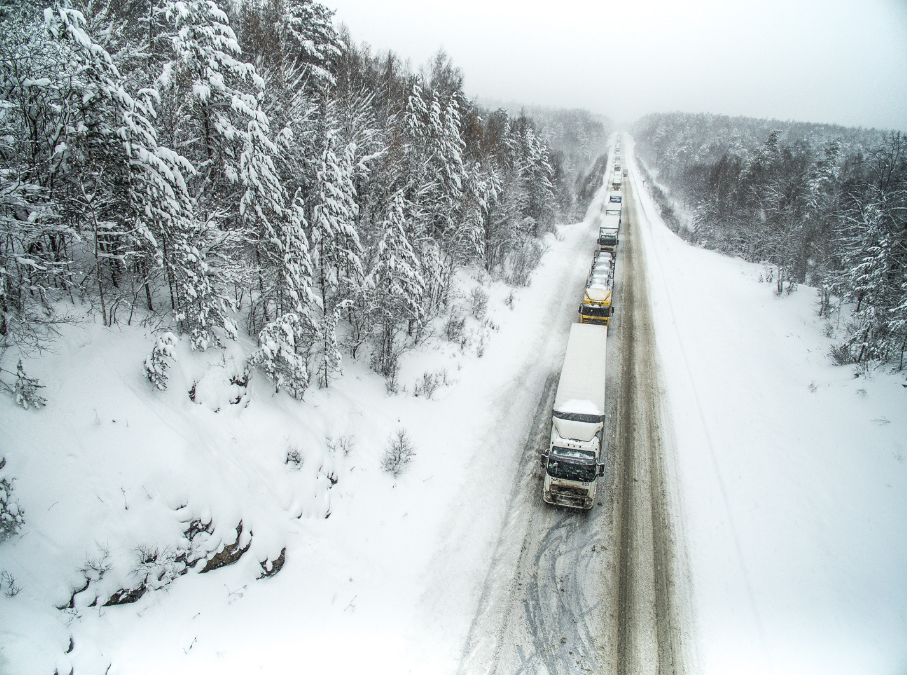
572, 465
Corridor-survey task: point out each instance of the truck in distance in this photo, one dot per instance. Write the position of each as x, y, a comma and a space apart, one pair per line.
573, 459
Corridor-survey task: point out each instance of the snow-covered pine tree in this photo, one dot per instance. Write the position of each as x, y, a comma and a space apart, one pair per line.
131, 188
336, 247
26, 389
285, 344
309, 39
822, 206
481, 192
210, 101
262, 209
35, 267
294, 275
397, 288
876, 279
156, 364
284, 347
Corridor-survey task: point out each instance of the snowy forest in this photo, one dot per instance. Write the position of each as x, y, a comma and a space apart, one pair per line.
211, 169
817, 204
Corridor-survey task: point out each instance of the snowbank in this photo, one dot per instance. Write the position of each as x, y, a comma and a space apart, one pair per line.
380, 575
792, 472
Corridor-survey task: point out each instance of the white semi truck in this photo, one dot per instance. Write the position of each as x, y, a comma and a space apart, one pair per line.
608, 230
614, 206
573, 461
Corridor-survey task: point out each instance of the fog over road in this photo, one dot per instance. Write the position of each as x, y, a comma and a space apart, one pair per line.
571, 591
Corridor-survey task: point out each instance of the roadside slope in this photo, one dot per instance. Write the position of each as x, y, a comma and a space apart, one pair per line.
381, 574
793, 473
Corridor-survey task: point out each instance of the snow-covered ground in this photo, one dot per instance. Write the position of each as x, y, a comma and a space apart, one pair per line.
792, 472
381, 575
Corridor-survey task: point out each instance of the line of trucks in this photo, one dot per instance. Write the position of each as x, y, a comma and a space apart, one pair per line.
573, 461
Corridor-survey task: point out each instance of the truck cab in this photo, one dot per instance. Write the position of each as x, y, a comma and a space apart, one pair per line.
571, 473
609, 230
596, 307
607, 239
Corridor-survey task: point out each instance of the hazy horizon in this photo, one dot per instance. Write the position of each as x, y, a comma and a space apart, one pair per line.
804, 60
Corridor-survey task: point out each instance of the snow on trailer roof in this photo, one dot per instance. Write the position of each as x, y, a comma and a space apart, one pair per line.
598, 292
581, 388
611, 221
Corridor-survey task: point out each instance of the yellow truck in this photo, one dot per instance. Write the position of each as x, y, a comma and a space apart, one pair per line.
596, 307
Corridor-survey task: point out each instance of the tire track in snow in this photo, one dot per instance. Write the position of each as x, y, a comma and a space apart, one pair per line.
523, 614
647, 207
648, 630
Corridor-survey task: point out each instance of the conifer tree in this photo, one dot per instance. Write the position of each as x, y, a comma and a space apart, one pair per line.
336, 244
396, 287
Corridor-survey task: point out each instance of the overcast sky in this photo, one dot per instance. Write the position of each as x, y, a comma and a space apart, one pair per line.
835, 61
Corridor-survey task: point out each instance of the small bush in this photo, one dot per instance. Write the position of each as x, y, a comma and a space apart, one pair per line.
293, 459
523, 260
508, 301
12, 517
8, 584
343, 444
480, 347
95, 568
391, 385
429, 383
479, 302
453, 329
26, 389
840, 355
398, 454
157, 568
156, 364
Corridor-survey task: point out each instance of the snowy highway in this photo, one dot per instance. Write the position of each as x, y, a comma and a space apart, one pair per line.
572, 591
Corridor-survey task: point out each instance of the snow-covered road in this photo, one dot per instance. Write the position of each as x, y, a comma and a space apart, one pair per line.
595, 592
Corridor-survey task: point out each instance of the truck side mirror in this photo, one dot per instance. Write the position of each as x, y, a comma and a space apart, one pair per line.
599, 470
544, 459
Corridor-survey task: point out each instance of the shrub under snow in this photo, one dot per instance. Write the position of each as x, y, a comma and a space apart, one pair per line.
399, 453
283, 350
11, 515
156, 364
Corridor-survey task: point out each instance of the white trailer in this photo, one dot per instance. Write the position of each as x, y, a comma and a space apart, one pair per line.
614, 206
573, 460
